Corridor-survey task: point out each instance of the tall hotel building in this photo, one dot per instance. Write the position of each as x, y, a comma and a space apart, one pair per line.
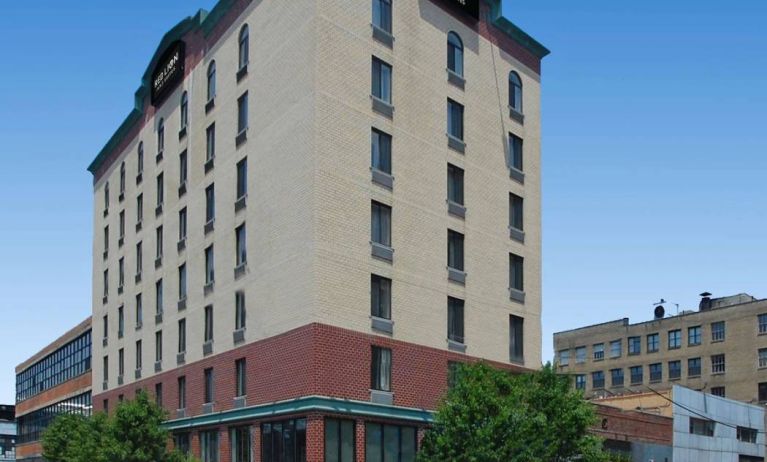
315, 208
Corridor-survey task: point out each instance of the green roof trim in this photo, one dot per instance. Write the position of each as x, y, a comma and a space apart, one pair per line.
300, 406
497, 19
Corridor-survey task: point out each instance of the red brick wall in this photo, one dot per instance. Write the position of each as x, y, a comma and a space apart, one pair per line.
617, 424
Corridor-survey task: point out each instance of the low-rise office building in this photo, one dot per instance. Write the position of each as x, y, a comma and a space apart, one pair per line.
55, 381
313, 210
721, 349
7, 433
638, 436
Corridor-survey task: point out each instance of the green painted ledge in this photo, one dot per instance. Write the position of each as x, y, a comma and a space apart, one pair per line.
497, 19
301, 406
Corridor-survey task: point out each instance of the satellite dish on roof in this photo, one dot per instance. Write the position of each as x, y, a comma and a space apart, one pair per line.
660, 312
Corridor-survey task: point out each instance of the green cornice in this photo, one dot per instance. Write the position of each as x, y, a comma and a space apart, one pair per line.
302, 406
497, 19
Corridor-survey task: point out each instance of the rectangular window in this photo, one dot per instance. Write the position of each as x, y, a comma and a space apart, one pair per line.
389, 443
616, 347
717, 391
455, 319
453, 372
240, 238
121, 272
517, 338
616, 376
656, 372
516, 212
693, 367
762, 357
160, 189
380, 371
717, 331
210, 203
283, 441
762, 318
209, 446
120, 362
380, 151
139, 258
340, 440
240, 311
694, 335
382, 15
182, 335
181, 442
182, 392
747, 435
240, 375
564, 358
139, 353
242, 178
240, 444
158, 297
183, 166
182, 224
106, 368
139, 208
106, 239
580, 355
717, 364
209, 265
158, 346
380, 297
762, 392
674, 339
516, 272
182, 282
598, 379
105, 325
635, 345
382, 73
515, 152
653, 343
139, 311
701, 427
122, 225
674, 370
208, 385
208, 334
242, 113
210, 142
454, 119
158, 394
455, 250
381, 224
580, 382
106, 283
158, 241
120, 321
454, 184
636, 373
599, 351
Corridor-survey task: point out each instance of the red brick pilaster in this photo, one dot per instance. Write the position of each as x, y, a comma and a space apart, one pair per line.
315, 438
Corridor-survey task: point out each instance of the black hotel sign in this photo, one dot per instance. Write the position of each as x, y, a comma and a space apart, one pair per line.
470, 7
168, 72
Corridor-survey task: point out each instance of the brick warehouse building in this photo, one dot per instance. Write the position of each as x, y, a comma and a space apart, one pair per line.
314, 208
56, 380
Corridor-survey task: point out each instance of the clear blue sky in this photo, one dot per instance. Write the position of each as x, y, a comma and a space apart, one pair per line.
654, 153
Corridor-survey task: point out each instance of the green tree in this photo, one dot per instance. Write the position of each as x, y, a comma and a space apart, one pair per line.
491, 415
132, 434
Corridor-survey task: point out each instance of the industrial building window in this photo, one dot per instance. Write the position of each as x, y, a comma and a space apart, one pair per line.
636, 373
182, 282
380, 297
32, 425
635, 345
209, 446
616, 347
208, 385
653, 343
455, 319
210, 203
244, 47
515, 92
454, 184
208, 328
380, 370
139, 354
380, 224
380, 151
382, 15
181, 393
598, 379
158, 296
580, 355
674, 370
242, 178
160, 189
454, 250
515, 152
693, 367
160, 136
340, 442
389, 443
240, 310
184, 110
694, 335
517, 337
656, 372
240, 377
717, 331
717, 391
182, 335
158, 346
564, 358
717, 364
283, 441
240, 441
762, 357
242, 113
599, 351
580, 382
516, 272
183, 167
701, 427
454, 54
381, 83
242, 245
211, 81
747, 435
210, 142
762, 323
454, 119
617, 377
209, 268
674, 339
516, 212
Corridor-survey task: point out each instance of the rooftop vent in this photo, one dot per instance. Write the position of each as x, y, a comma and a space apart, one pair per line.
660, 312
705, 301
